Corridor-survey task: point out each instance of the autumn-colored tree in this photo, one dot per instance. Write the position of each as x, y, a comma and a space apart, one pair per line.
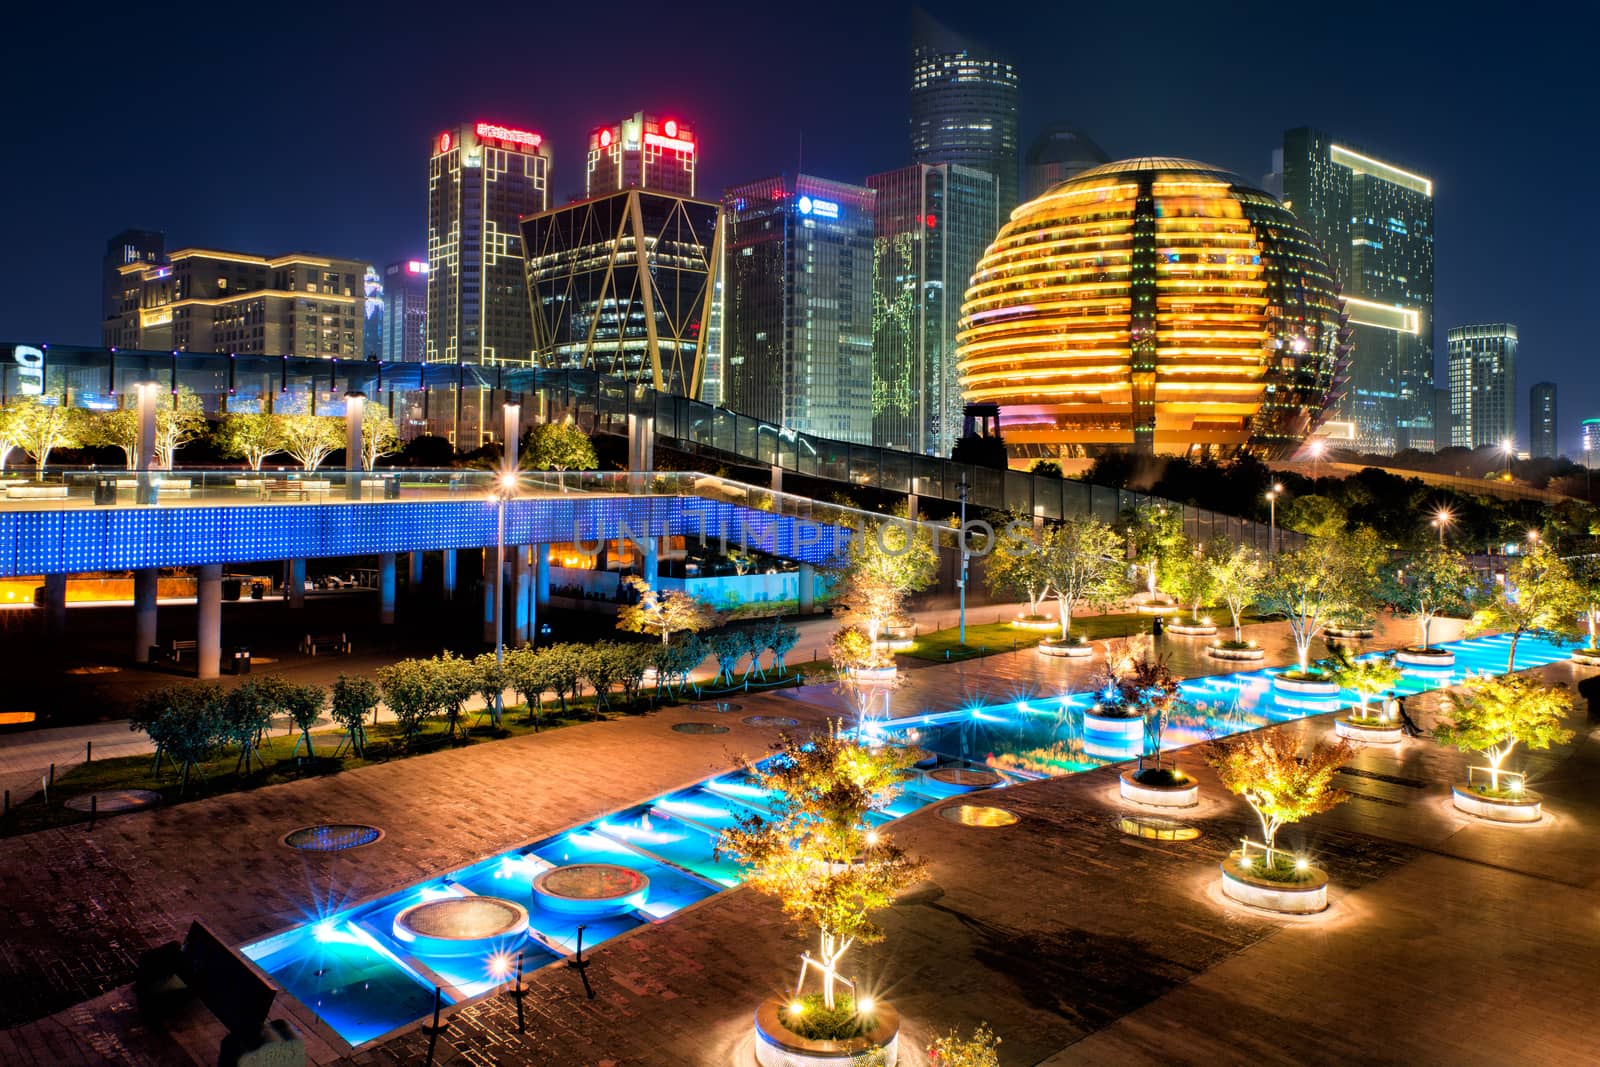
1433, 582
1082, 565
982, 1049
1368, 676
1493, 715
1265, 768
818, 853
884, 563
1539, 597
663, 613
1239, 571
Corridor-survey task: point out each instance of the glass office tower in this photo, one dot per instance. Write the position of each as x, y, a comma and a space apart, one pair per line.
1375, 221
1543, 436
931, 224
797, 338
1059, 153
1483, 384
405, 311
964, 107
624, 284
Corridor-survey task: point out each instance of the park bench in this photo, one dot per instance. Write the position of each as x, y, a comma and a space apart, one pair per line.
318, 644
36, 492
173, 976
299, 489
173, 651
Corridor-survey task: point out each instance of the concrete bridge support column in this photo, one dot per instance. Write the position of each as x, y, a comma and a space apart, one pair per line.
524, 614
541, 563
145, 583
415, 582
208, 611
297, 583
386, 583
490, 608
447, 574
807, 583
55, 604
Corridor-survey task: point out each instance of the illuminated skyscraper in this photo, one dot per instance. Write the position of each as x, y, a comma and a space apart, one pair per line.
1589, 441
623, 284
797, 342
1375, 222
964, 107
481, 178
1543, 438
405, 311
1059, 153
642, 152
372, 330
1483, 384
930, 226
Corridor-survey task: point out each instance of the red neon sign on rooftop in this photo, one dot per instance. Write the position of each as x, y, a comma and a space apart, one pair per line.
492, 132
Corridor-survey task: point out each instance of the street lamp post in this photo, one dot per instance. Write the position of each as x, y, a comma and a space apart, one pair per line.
1441, 519
1316, 457
505, 489
1509, 448
1272, 502
961, 583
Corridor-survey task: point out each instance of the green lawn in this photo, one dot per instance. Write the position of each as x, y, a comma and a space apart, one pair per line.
992, 637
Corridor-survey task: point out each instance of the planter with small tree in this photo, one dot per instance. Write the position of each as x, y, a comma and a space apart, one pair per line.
1153, 690
1329, 578
1195, 584
857, 656
1429, 584
1586, 577
1079, 561
1491, 716
1265, 768
1369, 678
1237, 571
817, 854
1015, 568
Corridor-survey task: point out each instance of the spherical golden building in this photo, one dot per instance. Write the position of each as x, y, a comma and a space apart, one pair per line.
1152, 305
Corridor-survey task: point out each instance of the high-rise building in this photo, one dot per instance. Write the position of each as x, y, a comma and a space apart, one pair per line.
372, 329
202, 300
964, 106
143, 247
931, 224
1544, 442
1375, 221
482, 178
405, 311
797, 338
1483, 384
1443, 423
624, 284
1589, 441
642, 152
1059, 153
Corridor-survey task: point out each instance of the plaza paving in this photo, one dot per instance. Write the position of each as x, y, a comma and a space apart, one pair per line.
1448, 940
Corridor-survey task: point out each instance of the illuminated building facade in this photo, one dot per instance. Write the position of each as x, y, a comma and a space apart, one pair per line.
1375, 221
203, 300
1543, 436
963, 106
482, 177
624, 284
1059, 153
797, 338
372, 327
642, 152
1152, 305
405, 311
148, 247
931, 224
1589, 441
1483, 384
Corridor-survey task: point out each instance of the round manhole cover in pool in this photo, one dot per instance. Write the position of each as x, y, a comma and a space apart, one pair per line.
978, 815
591, 881
465, 917
1155, 828
770, 720
699, 728
332, 837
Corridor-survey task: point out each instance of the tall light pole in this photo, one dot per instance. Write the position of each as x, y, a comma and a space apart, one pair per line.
961, 583
505, 489
1317, 448
1509, 447
1441, 519
1272, 503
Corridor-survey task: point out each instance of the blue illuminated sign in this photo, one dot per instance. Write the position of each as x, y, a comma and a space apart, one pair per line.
822, 209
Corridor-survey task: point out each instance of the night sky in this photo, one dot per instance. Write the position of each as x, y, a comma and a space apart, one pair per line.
305, 127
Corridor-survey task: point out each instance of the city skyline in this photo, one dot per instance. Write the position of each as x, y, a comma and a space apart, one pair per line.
840, 127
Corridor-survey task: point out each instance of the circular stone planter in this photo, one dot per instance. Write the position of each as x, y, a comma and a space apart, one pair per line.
1121, 726
1527, 808
1223, 652
1386, 734
1184, 795
1350, 633
1432, 657
778, 1046
1037, 623
949, 781
873, 674
1074, 649
591, 889
1589, 657
1306, 687
459, 926
1300, 898
1192, 629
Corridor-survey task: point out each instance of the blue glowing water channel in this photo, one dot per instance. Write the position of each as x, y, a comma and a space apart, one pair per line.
1048, 737
349, 968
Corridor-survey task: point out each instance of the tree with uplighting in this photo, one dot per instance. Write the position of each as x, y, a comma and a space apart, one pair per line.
1194, 577
557, 446
354, 697
1368, 676
411, 693
1539, 597
249, 435
1585, 572
310, 439
10, 428
1238, 572
817, 852
884, 563
1082, 565
1428, 584
1492, 715
1265, 769
663, 613
1313, 586
1156, 534
380, 436
180, 418
39, 428
1015, 566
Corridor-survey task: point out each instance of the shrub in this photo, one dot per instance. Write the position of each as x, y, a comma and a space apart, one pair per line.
354, 697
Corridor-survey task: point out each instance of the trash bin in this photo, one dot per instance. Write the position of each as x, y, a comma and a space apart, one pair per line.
258, 590
231, 588
391, 489
105, 491
239, 661
1157, 627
